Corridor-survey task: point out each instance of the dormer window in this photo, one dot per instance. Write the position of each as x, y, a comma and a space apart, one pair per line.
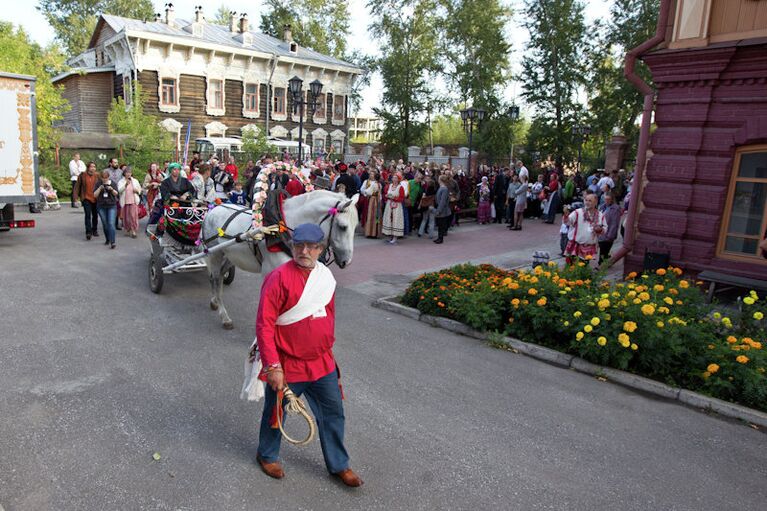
293, 47
197, 29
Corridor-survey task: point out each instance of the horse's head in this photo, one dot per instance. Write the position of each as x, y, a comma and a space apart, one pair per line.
341, 236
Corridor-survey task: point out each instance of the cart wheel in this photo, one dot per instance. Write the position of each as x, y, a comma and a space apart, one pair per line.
156, 276
229, 275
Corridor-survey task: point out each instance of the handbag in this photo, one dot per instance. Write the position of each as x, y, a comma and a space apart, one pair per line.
142, 212
426, 202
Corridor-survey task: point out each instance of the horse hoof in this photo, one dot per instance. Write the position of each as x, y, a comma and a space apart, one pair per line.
228, 326
213, 306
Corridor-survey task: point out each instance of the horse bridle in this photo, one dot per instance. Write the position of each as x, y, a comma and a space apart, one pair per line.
331, 214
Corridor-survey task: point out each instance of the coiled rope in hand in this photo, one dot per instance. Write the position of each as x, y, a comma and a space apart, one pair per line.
294, 406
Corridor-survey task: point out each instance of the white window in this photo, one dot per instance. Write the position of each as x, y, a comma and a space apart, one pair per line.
336, 146
215, 129
127, 90
279, 104
215, 104
168, 93
319, 112
339, 109
251, 98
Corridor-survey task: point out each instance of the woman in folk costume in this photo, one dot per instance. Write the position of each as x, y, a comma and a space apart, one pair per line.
371, 217
295, 334
587, 223
152, 182
483, 202
393, 218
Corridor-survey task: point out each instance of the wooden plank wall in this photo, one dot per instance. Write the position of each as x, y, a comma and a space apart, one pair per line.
192, 102
737, 16
95, 99
70, 90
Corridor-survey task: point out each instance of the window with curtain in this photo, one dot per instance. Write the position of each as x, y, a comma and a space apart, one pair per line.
216, 94
278, 101
744, 225
251, 97
169, 93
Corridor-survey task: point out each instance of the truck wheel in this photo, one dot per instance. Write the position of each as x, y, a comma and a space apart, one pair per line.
6, 216
229, 275
156, 276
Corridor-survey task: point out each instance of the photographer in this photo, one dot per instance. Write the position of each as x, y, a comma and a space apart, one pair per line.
106, 204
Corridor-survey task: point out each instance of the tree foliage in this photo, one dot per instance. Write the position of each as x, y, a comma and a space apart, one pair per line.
448, 129
552, 72
75, 20
407, 31
255, 144
477, 49
223, 16
20, 55
613, 101
321, 25
145, 137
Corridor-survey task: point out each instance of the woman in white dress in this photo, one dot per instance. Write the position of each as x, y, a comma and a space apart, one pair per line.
393, 217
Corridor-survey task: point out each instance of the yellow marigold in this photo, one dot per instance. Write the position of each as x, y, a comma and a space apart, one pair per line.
579, 336
748, 300
669, 300
706, 375
742, 359
532, 291
629, 326
684, 284
566, 323
634, 346
568, 289
660, 271
757, 345
631, 294
602, 341
506, 281
623, 338
679, 302
644, 296
648, 310
595, 321
533, 280
660, 324
515, 302
541, 301
636, 301
711, 346
717, 315
588, 329
577, 314
677, 271
552, 264
525, 302
760, 369
658, 288
712, 368
663, 310
758, 316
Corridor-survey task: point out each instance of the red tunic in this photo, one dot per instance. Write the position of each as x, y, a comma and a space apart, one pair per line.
231, 168
305, 348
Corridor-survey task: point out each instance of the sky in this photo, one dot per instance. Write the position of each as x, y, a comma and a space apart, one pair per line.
24, 13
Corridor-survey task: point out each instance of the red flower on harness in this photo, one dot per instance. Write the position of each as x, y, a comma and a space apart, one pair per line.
333, 211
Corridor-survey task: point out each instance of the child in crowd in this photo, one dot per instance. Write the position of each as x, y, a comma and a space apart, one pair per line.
564, 231
237, 196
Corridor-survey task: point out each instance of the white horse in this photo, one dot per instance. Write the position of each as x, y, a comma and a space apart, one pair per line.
336, 215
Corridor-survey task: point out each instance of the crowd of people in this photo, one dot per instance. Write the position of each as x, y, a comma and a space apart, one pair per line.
398, 199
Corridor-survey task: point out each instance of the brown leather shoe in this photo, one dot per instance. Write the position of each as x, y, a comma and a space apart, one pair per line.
349, 478
271, 469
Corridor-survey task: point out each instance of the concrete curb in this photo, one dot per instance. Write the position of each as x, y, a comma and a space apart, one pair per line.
632, 381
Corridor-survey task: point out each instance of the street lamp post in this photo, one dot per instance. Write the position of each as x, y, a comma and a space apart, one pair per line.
581, 131
295, 85
471, 116
513, 114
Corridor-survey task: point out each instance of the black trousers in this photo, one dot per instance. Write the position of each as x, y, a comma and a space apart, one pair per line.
604, 250
72, 194
442, 225
91, 217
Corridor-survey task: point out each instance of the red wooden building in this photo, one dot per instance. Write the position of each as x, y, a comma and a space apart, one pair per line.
703, 190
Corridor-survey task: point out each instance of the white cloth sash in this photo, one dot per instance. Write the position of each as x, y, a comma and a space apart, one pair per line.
317, 293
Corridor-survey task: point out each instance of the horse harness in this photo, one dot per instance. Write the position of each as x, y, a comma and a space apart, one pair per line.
331, 214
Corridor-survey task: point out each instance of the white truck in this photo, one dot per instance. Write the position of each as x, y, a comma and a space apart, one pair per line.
18, 147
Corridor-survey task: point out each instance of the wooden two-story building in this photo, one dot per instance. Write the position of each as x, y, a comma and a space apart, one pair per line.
219, 78
704, 196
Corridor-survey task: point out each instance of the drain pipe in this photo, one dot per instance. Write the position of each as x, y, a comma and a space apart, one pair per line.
644, 133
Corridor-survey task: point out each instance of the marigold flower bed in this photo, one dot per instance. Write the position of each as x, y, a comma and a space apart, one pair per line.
656, 325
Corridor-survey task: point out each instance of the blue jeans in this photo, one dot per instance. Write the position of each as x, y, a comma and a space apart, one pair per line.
324, 399
406, 218
91, 217
108, 216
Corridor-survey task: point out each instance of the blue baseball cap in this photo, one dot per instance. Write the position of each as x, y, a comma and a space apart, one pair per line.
308, 233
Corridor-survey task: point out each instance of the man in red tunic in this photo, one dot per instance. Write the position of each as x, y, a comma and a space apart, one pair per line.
295, 335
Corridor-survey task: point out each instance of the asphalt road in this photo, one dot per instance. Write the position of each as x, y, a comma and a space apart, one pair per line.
97, 374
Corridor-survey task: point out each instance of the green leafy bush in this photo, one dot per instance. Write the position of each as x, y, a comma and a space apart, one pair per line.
657, 325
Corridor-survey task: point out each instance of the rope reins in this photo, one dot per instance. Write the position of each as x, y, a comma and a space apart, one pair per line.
294, 406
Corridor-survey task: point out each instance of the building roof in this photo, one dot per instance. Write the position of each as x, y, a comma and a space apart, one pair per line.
82, 71
219, 34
